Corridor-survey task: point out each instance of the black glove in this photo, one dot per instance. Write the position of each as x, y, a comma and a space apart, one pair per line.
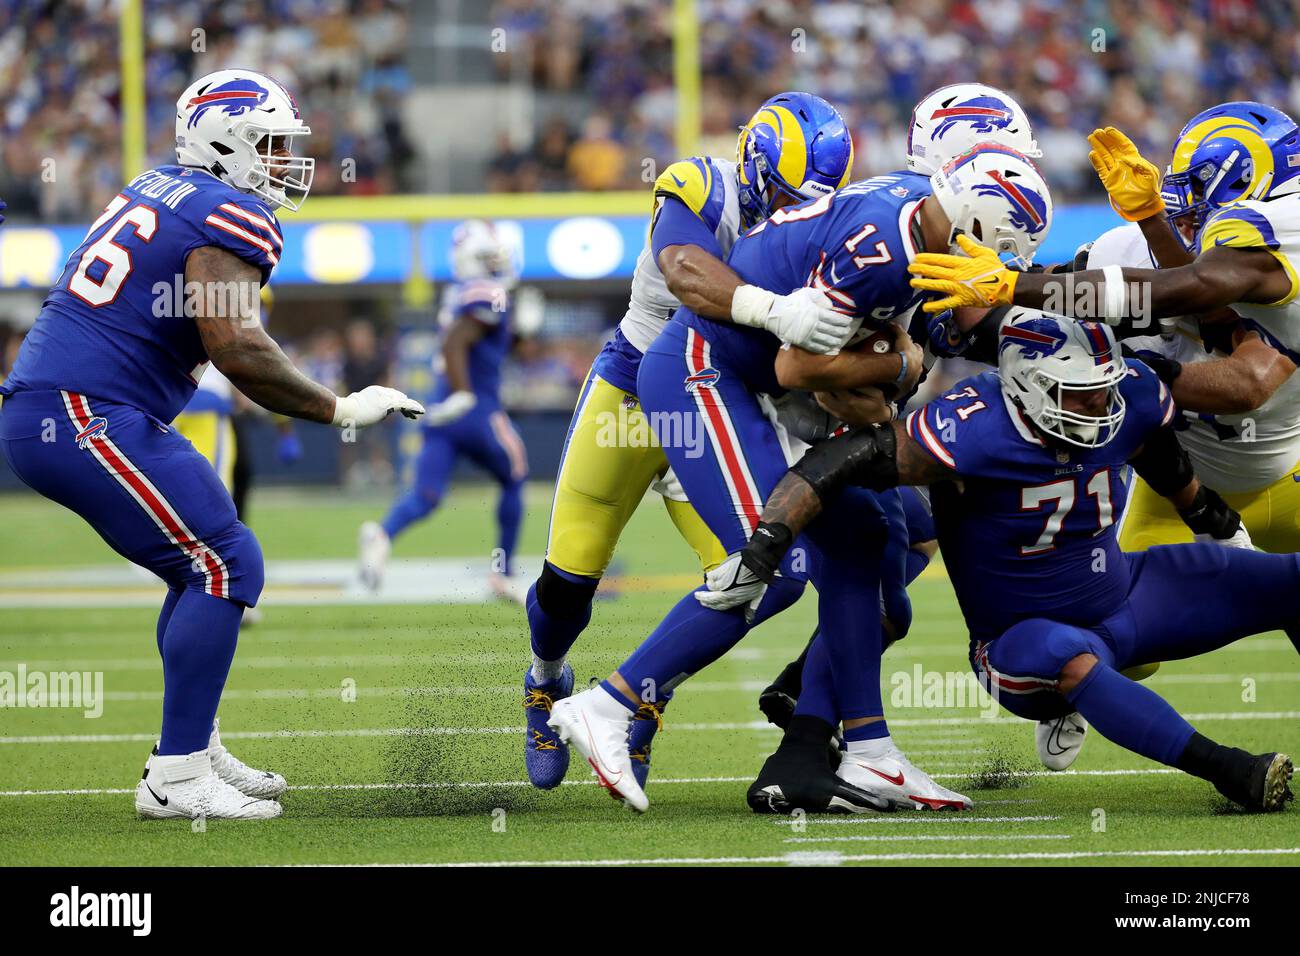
1166, 369
1210, 514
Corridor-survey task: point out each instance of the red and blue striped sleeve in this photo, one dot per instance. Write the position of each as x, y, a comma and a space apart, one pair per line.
248, 229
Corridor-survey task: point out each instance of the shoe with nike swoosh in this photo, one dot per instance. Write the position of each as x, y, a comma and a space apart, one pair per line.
1059, 741
598, 726
891, 777
185, 786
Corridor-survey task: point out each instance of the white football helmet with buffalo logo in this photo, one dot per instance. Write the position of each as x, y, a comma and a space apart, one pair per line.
1043, 359
241, 126
997, 197
952, 119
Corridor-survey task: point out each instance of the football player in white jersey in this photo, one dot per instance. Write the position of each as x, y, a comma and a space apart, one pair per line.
795, 148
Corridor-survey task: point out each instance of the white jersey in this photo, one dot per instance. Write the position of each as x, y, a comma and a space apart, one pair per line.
1250, 451
708, 187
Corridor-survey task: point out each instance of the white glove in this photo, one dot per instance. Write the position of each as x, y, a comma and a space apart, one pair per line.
451, 408
1239, 540
806, 317
373, 404
731, 584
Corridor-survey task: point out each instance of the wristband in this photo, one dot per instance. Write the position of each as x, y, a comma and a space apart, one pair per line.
766, 547
751, 306
902, 372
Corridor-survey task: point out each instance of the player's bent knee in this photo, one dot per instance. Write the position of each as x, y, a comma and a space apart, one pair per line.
561, 597
242, 572
1075, 670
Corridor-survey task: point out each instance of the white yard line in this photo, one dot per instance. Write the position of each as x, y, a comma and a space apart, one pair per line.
831, 858
753, 725
483, 784
922, 817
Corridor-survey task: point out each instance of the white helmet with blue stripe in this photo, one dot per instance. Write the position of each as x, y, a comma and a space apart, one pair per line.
1064, 375
242, 127
952, 119
997, 197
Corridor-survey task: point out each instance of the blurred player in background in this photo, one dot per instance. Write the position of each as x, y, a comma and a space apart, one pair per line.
111, 369
796, 147
465, 418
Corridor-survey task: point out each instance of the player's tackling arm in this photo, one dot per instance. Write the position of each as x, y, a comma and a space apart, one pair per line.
876, 458
238, 345
1235, 384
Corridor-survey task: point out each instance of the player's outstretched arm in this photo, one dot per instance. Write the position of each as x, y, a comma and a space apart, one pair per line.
873, 457
238, 345
1232, 385
1218, 277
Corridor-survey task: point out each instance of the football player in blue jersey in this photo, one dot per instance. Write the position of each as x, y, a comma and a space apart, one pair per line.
854, 245
1025, 466
110, 362
795, 147
465, 418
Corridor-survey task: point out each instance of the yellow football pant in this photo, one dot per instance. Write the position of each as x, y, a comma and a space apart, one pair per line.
213, 436
1271, 515
609, 463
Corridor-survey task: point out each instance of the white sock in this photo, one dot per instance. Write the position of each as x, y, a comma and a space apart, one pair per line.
544, 672
876, 747
609, 706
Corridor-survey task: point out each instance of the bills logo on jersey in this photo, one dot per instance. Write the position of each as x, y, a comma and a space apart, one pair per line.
1036, 338
97, 427
704, 378
985, 114
233, 99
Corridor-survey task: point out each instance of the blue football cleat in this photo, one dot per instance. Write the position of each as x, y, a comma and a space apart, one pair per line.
545, 755
646, 722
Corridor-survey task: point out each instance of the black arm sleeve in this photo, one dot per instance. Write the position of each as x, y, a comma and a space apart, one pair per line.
982, 340
866, 457
1163, 463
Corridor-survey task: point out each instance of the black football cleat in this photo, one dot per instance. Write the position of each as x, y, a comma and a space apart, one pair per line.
798, 777
1264, 785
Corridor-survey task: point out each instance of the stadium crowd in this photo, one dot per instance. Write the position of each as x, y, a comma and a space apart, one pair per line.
61, 153
1136, 64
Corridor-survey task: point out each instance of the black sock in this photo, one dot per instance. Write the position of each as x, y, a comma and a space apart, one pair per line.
1203, 758
807, 733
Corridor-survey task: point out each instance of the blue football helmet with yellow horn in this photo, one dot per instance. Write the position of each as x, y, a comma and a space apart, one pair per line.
1234, 151
796, 144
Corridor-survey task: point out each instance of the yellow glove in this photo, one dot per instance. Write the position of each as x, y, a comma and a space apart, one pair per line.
1132, 183
976, 279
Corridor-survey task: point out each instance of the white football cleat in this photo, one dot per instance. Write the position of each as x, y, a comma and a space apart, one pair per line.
893, 778
1059, 741
185, 786
373, 543
600, 733
262, 784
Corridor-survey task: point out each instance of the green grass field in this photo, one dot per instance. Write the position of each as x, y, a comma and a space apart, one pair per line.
425, 765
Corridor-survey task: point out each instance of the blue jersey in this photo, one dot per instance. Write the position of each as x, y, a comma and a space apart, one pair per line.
1033, 532
486, 301
854, 244
115, 326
